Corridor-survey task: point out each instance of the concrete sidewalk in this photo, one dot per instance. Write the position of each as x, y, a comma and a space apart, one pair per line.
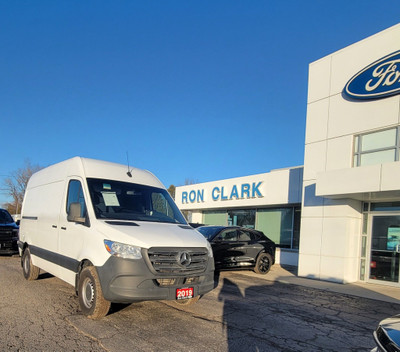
360, 289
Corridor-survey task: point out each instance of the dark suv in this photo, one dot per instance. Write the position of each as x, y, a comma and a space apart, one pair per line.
240, 248
8, 233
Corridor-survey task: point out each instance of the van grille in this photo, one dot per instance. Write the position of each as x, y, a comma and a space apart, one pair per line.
178, 260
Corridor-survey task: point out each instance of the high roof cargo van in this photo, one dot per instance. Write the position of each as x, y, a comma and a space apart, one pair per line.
113, 233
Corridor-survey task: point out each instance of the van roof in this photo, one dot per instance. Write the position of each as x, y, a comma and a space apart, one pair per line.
85, 167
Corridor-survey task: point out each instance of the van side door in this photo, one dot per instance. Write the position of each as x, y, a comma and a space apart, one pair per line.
74, 224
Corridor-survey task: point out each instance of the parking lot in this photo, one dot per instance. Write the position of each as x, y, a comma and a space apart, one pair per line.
246, 312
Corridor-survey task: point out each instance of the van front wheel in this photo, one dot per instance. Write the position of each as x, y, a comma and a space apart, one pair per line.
91, 300
31, 272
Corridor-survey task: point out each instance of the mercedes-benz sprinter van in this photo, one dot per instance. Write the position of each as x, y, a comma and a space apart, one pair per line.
113, 233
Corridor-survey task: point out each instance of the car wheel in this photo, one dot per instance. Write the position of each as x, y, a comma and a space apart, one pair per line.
263, 263
91, 300
31, 272
187, 302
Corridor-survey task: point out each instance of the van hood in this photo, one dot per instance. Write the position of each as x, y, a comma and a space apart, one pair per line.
149, 234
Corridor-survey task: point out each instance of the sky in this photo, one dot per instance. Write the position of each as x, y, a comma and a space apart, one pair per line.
190, 90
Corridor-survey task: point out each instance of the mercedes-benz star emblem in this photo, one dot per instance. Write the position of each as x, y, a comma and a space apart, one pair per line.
185, 259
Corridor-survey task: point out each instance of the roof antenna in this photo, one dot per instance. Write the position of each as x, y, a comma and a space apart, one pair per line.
129, 171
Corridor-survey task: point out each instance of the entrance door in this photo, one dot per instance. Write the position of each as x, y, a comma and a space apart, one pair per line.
385, 248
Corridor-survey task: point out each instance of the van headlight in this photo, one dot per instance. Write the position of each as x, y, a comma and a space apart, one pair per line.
210, 251
123, 250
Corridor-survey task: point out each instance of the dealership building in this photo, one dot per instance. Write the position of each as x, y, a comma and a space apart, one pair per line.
336, 218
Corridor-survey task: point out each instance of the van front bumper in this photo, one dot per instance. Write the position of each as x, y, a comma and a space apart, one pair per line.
127, 281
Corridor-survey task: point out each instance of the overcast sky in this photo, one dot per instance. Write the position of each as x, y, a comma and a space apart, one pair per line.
200, 90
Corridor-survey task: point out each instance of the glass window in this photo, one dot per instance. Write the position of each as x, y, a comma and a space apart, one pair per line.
387, 206
161, 205
215, 218
129, 201
376, 148
5, 217
244, 218
244, 236
378, 140
385, 156
227, 235
75, 195
277, 224
296, 228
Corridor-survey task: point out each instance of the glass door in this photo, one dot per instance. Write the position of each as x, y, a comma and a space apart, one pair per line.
385, 248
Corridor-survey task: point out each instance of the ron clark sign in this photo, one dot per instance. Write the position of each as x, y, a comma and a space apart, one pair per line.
220, 193
378, 80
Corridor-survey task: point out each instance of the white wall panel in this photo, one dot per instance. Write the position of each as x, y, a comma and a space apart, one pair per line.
319, 88
317, 121
315, 159
349, 117
339, 153
310, 243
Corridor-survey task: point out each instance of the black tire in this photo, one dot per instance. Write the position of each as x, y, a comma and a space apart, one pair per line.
91, 300
263, 263
187, 302
31, 272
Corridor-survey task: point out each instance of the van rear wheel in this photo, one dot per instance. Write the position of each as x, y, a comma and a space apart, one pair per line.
91, 299
31, 272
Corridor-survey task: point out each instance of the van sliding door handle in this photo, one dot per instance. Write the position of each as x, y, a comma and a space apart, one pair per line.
63, 228
54, 226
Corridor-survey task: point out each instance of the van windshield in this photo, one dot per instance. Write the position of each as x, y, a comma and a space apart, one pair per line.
129, 201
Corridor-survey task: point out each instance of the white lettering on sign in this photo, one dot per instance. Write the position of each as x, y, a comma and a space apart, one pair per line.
386, 74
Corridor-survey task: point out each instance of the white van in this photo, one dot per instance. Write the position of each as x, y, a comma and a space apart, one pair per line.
112, 232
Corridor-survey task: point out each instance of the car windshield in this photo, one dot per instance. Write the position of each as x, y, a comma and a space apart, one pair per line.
5, 217
129, 201
209, 231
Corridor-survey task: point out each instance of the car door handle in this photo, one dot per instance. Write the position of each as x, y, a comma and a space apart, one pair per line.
63, 228
54, 226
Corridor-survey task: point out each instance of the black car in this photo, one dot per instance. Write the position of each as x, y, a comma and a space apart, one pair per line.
387, 335
8, 233
240, 248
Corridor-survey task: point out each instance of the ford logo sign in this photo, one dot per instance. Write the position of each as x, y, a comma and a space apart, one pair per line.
378, 80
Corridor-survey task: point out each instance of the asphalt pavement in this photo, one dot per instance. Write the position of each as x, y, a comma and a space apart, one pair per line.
288, 274
277, 312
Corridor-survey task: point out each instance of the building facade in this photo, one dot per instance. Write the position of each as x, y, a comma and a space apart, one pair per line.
351, 186
349, 189
269, 202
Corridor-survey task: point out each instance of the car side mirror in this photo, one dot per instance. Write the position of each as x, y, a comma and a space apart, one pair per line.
74, 213
18, 222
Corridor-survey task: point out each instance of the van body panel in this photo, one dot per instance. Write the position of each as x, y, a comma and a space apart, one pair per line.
60, 242
150, 234
41, 218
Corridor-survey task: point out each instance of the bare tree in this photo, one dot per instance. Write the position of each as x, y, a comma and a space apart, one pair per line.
15, 185
190, 181
188, 213
171, 190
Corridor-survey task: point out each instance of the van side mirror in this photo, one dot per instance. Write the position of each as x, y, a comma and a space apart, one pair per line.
74, 213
